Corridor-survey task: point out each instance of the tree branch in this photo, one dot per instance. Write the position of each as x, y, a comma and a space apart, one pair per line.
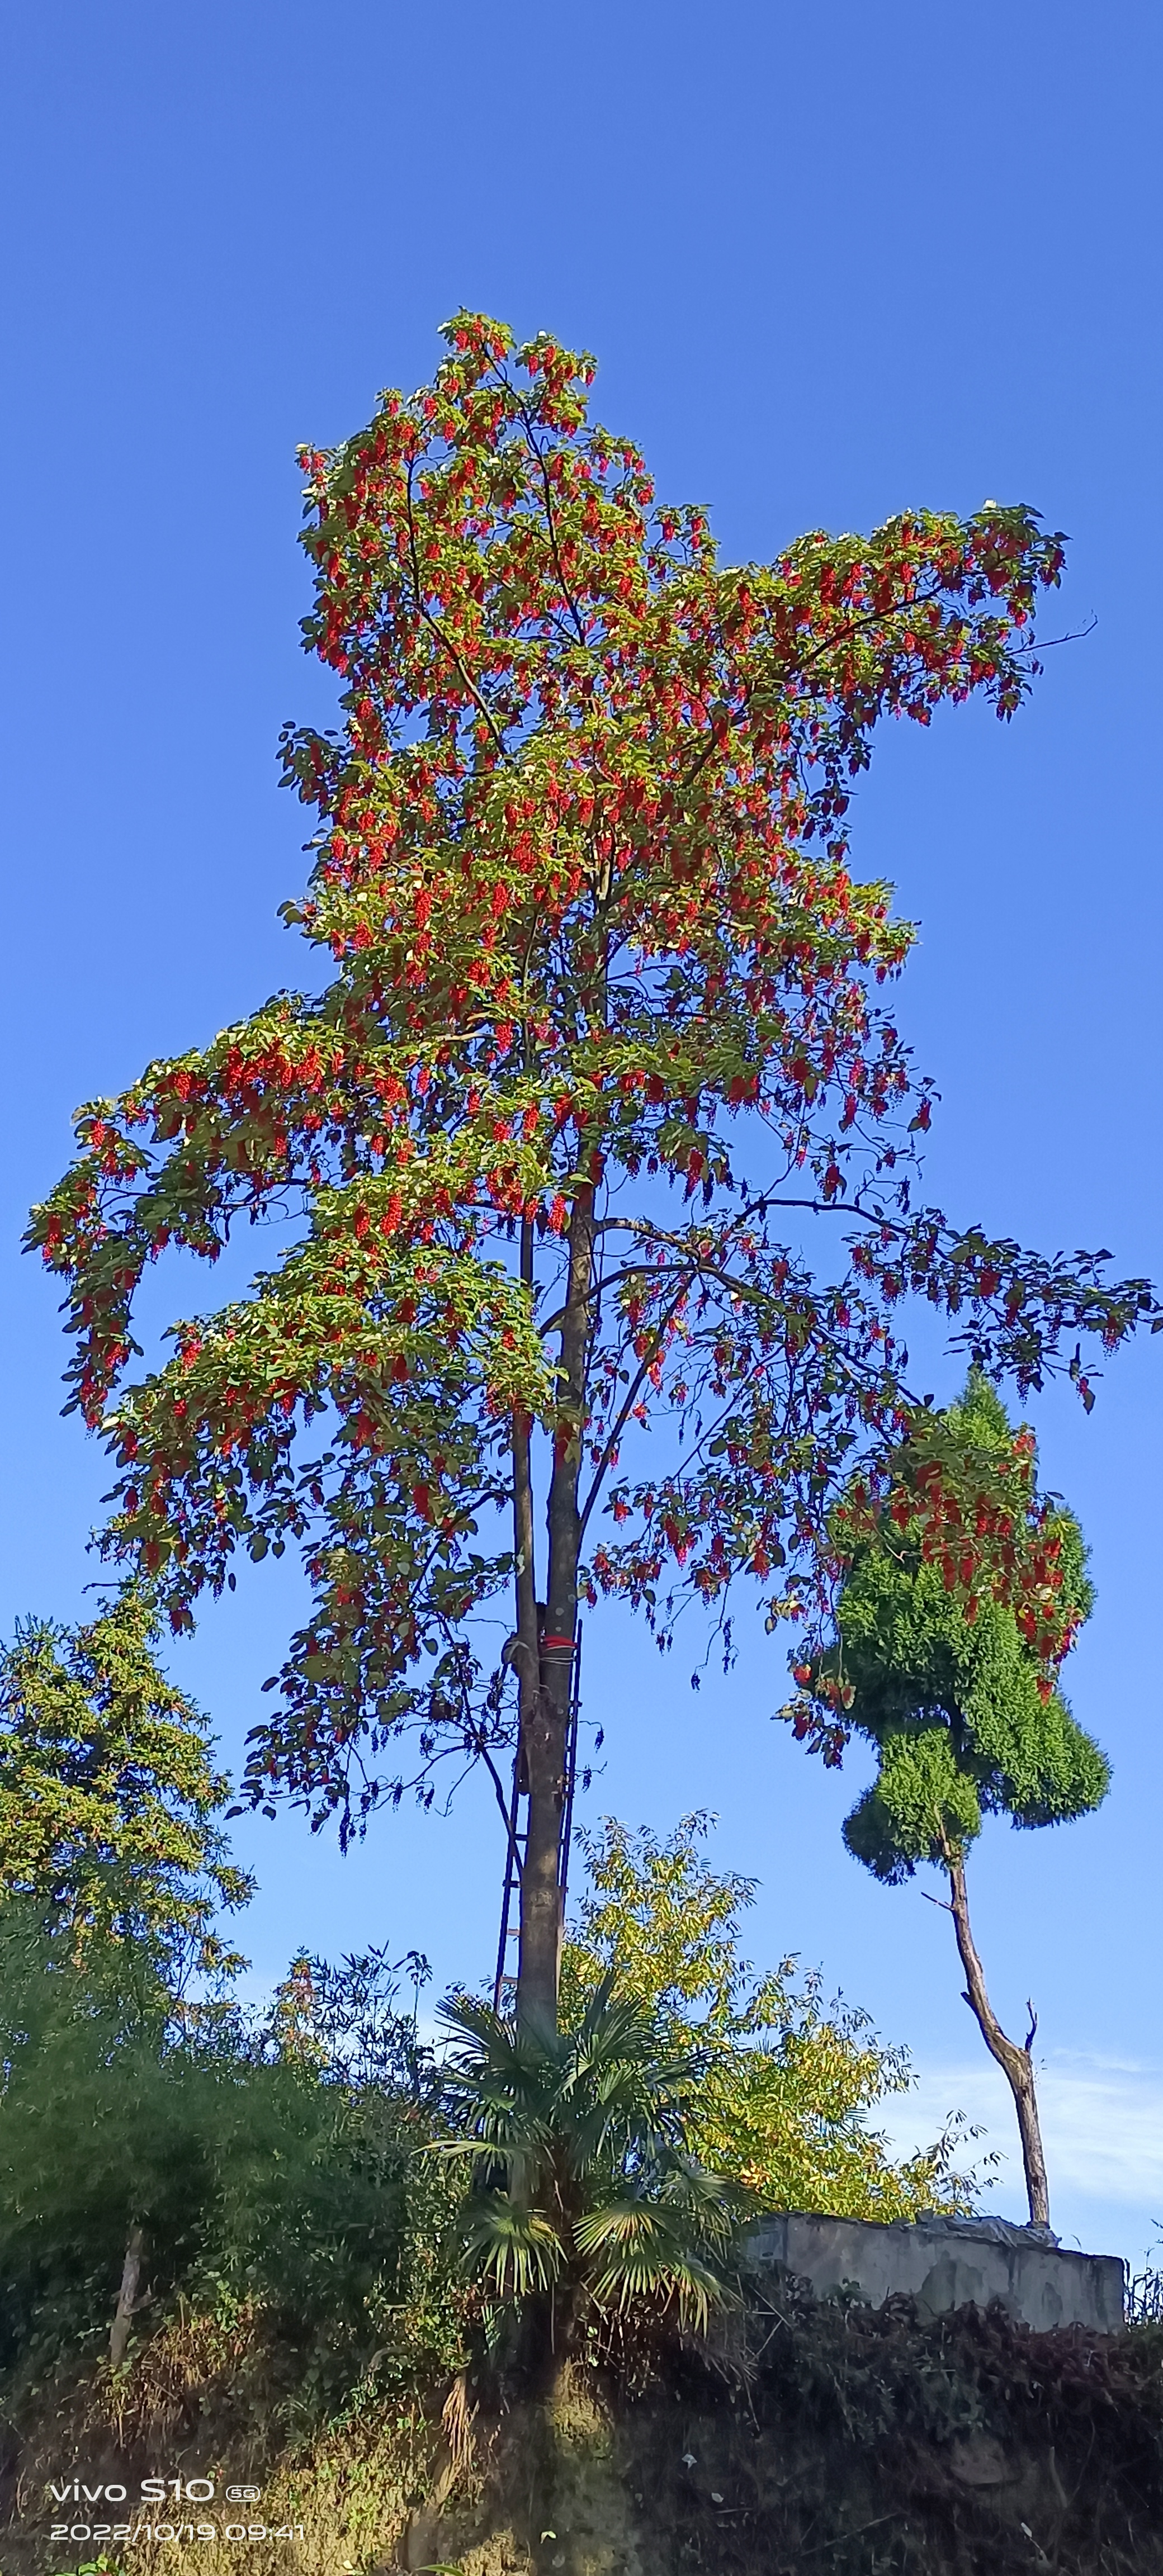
625, 1412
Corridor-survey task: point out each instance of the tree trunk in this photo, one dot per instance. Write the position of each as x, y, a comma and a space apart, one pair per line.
528, 1655
545, 1718
1016, 2063
123, 2313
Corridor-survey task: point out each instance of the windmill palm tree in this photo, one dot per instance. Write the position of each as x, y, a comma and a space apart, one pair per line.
582, 2191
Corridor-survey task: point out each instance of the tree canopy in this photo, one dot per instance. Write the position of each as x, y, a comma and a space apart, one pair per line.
953, 1695
604, 1039
786, 2084
109, 1794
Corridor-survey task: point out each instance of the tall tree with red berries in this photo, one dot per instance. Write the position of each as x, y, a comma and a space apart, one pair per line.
601, 1043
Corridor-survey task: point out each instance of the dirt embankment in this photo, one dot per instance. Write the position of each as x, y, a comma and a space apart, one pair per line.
813, 2439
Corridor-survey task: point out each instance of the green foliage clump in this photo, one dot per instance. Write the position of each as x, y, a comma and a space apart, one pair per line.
258, 2178
161, 2149
951, 1693
108, 1793
583, 2185
785, 2083
102, 2124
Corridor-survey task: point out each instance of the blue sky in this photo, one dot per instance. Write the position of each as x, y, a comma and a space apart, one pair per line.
833, 261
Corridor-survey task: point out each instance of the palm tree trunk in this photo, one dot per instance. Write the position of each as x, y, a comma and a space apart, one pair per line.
1016, 2063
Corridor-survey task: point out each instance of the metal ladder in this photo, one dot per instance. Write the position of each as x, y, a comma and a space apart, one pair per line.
517, 1834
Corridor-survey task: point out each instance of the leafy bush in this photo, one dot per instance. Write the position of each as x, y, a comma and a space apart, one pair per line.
255, 2176
103, 2124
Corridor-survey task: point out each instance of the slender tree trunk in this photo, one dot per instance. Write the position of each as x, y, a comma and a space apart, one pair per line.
545, 1721
528, 1655
1016, 2063
123, 2313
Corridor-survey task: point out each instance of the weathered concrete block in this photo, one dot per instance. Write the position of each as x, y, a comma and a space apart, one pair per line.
946, 2263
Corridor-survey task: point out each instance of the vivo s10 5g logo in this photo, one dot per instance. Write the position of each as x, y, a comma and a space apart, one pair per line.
150, 2491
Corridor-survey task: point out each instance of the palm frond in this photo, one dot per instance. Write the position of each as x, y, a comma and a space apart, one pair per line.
710, 2205
513, 2250
624, 2103
499, 2091
646, 2256
585, 2131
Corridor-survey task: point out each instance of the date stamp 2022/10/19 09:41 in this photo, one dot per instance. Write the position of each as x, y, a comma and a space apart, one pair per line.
131, 2520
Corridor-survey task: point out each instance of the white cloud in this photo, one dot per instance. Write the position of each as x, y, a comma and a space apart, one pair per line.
1102, 2123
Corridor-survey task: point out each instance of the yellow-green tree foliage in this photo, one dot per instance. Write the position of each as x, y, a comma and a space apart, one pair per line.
788, 2082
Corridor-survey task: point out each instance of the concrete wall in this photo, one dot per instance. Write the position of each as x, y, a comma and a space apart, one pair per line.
947, 2263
